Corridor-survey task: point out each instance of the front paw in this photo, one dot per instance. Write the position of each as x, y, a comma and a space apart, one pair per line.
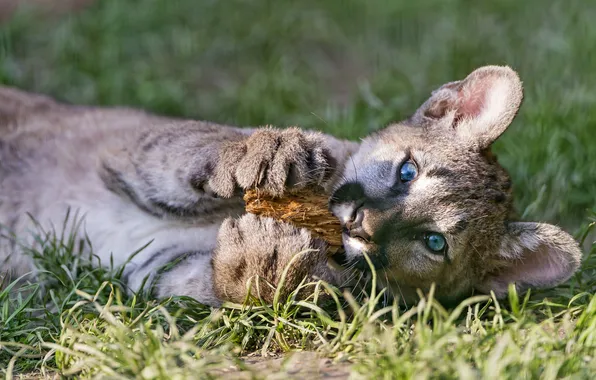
273, 161
251, 249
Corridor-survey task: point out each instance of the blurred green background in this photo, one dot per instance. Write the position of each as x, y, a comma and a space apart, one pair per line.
345, 67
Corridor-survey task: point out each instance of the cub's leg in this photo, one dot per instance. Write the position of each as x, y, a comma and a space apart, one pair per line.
180, 170
249, 248
186, 172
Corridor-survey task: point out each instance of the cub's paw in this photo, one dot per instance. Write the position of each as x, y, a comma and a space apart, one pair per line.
272, 160
256, 251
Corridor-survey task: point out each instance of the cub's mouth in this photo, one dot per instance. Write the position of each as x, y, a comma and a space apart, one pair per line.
355, 250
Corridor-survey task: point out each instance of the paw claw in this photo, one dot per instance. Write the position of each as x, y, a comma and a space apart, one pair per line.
273, 160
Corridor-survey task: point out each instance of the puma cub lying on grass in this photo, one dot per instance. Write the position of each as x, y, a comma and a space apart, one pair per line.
424, 198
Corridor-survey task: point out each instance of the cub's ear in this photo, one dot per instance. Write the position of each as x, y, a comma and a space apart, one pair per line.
532, 255
479, 108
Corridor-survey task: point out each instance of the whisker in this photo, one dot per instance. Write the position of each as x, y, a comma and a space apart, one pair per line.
352, 275
400, 292
355, 170
356, 286
386, 295
364, 286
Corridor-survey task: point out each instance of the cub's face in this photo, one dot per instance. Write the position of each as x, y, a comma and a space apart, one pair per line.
428, 203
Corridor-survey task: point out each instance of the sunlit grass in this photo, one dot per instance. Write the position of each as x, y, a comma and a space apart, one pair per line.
109, 333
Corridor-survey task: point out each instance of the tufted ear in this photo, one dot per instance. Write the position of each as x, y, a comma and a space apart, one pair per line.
479, 108
532, 255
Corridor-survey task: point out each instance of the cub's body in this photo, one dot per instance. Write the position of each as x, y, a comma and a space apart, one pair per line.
101, 166
423, 198
50, 162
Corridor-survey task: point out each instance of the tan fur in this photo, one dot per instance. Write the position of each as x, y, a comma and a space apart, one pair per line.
137, 178
461, 192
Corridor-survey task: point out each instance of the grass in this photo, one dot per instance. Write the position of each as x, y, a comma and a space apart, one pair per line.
345, 67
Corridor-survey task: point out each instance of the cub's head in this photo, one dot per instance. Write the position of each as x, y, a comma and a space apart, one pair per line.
428, 202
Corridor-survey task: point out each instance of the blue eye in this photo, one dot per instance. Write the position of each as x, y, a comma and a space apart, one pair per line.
408, 171
435, 242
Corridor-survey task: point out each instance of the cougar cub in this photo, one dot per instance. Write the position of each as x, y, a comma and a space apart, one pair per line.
424, 198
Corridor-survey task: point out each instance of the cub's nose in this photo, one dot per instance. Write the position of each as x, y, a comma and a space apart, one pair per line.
354, 226
355, 220
346, 200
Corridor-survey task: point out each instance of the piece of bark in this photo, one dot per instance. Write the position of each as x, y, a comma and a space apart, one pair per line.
306, 208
